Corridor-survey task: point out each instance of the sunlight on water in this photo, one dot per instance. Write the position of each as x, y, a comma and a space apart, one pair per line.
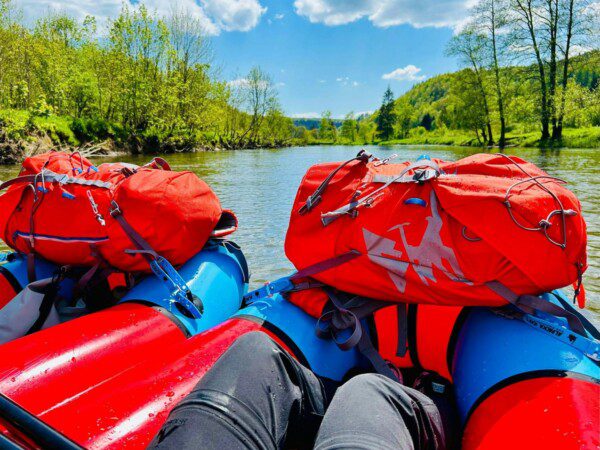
260, 185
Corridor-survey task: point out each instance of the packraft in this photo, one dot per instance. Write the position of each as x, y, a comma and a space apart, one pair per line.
71, 212
133, 358
482, 231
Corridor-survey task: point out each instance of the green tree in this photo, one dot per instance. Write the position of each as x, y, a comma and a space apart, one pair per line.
327, 129
386, 118
470, 46
349, 128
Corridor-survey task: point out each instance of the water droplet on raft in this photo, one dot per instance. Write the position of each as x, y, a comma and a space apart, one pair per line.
170, 394
73, 359
13, 379
151, 415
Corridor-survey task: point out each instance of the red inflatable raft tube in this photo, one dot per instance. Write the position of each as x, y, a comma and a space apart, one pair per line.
114, 383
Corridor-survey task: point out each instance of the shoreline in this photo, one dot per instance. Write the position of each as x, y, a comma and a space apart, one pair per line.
14, 151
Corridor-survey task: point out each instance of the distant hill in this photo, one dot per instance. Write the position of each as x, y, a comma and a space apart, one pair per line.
311, 124
439, 102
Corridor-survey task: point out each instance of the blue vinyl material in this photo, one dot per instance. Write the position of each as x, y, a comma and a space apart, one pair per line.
17, 265
491, 348
217, 276
322, 355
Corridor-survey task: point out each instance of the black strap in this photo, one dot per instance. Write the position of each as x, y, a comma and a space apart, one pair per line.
347, 315
529, 304
402, 316
315, 198
143, 248
589, 326
325, 265
51, 291
31, 275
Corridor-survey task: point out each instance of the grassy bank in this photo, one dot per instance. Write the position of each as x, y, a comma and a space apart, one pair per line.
23, 132
575, 138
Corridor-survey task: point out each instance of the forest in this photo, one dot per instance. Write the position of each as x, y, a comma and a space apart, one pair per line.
147, 84
531, 71
143, 83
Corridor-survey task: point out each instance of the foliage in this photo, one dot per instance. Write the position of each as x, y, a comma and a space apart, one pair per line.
146, 82
386, 117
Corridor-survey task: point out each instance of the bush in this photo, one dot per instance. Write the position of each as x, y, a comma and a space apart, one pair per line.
13, 124
58, 128
95, 129
417, 131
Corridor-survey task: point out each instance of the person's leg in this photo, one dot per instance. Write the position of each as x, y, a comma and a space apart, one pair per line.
254, 397
373, 412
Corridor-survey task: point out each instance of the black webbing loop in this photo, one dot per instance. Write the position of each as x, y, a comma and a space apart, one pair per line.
347, 316
315, 198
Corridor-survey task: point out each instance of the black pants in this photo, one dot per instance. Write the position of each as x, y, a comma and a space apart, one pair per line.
257, 396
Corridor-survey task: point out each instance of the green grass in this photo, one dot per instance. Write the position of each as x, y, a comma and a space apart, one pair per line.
574, 138
438, 137
21, 124
58, 128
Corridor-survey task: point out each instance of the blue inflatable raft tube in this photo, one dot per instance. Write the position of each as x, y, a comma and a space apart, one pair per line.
217, 277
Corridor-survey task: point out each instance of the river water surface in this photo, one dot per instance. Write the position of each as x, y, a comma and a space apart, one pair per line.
260, 185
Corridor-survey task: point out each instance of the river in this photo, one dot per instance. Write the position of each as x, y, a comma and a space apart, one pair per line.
260, 185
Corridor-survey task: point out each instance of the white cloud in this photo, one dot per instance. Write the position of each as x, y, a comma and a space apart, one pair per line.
385, 13
244, 83
279, 16
344, 81
333, 12
214, 15
238, 82
322, 81
410, 73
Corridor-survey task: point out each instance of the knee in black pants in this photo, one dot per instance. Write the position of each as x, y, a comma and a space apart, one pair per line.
251, 398
371, 411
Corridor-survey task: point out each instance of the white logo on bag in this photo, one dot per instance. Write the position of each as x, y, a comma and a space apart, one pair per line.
429, 253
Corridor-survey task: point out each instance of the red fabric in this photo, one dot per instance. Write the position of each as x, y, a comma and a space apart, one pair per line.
175, 212
419, 254
541, 413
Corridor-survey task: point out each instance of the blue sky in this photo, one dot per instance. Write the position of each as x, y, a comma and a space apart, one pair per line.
336, 55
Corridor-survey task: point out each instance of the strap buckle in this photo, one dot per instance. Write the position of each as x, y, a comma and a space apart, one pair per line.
280, 285
115, 210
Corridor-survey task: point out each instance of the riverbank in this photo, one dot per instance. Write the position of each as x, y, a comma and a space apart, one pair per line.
23, 133
572, 138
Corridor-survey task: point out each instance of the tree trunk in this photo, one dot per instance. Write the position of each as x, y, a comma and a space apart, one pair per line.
528, 13
552, 69
565, 75
499, 95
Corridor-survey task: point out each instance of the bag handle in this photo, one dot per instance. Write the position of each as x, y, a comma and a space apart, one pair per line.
418, 177
315, 198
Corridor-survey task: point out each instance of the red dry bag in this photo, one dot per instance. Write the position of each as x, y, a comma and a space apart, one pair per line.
68, 211
480, 231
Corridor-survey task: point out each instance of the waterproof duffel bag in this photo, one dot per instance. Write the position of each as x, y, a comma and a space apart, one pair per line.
484, 230
70, 212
